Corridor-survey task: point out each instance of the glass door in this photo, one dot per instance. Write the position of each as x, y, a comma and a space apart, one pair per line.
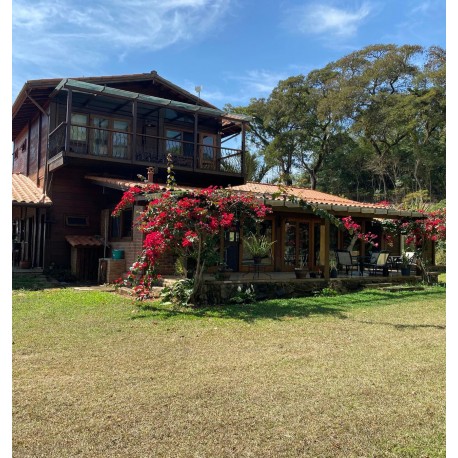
296, 244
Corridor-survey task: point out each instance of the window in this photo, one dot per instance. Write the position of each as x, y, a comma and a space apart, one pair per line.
100, 136
208, 143
108, 136
120, 138
77, 221
121, 226
78, 131
179, 143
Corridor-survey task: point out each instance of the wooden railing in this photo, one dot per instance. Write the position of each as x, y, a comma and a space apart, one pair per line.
149, 150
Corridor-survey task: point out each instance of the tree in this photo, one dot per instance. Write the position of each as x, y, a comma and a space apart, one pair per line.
185, 224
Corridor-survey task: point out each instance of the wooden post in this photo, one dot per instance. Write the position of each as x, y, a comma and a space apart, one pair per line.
68, 120
362, 251
242, 159
134, 131
326, 241
196, 123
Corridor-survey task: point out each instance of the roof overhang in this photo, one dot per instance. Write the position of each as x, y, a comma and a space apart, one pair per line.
25, 193
35, 95
380, 213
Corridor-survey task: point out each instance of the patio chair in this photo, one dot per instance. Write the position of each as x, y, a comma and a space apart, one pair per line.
345, 259
379, 262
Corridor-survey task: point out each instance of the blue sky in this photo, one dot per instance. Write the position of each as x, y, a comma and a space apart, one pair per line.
234, 49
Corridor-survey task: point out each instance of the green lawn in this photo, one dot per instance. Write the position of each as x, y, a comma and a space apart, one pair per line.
360, 375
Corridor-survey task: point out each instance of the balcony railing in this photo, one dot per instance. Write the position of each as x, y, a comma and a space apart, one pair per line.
149, 150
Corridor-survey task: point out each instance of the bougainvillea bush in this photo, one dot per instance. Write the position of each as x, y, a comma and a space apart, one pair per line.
186, 224
432, 227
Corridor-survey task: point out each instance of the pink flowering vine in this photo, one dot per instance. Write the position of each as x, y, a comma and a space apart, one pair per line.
185, 224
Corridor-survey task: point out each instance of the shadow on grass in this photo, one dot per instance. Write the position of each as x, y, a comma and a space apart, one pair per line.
283, 309
30, 283
401, 327
272, 309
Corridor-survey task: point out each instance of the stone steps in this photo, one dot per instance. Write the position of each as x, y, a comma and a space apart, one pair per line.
392, 287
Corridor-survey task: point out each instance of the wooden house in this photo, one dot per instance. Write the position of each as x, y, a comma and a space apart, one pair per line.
71, 134
79, 143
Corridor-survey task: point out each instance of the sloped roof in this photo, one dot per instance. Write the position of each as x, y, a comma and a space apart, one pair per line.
309, 195
25, 192
124, 185
83, 240
36, 93
277, 195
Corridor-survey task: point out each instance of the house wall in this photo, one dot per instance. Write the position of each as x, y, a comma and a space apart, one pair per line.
72, 195
31, 160
19, 154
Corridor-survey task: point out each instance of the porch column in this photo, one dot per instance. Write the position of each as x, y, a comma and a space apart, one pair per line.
362, 251
196, 122
134, 131
68, 120
325, 239
242, 158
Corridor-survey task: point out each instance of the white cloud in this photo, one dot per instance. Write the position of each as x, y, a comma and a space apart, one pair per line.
321, 19
82, 34
259, 82
251, 84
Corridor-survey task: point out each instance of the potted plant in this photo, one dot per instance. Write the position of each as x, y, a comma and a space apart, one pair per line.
259, 246
406, 260
302, 270
333, 268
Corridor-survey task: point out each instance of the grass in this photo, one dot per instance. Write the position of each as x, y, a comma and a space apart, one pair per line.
358, 375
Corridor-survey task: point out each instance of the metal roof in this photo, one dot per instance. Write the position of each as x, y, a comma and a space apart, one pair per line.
26, 193
36, 93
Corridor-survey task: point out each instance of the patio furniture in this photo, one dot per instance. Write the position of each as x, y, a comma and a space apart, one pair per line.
407, 261
345, 259
379, 262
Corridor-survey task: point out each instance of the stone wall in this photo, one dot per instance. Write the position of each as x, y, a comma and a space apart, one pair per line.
220, 292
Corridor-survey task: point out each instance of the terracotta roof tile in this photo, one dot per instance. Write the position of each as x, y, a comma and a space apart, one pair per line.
308, 195
83, 240
25, 191
124, 185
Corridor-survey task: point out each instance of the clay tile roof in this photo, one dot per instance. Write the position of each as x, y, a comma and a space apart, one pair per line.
124, 185
309, 195
26, 192
83, 240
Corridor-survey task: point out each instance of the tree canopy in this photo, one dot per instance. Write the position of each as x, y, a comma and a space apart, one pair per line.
370, 125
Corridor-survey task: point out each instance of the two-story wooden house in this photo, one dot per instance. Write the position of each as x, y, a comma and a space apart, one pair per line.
79, 143
77, 140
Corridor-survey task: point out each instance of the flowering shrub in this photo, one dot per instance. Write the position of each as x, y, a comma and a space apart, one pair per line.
355, 229
184, 223
419, 231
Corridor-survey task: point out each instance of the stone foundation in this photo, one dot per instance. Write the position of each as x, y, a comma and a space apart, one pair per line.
219, 292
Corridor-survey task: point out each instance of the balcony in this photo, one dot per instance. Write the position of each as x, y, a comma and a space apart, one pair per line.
145, 150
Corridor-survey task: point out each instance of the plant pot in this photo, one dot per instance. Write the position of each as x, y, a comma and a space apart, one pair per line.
300, 273
405, 271
333, 273
25, 264
257, 259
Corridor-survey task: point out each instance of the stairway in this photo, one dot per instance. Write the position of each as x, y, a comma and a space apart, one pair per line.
393, 287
